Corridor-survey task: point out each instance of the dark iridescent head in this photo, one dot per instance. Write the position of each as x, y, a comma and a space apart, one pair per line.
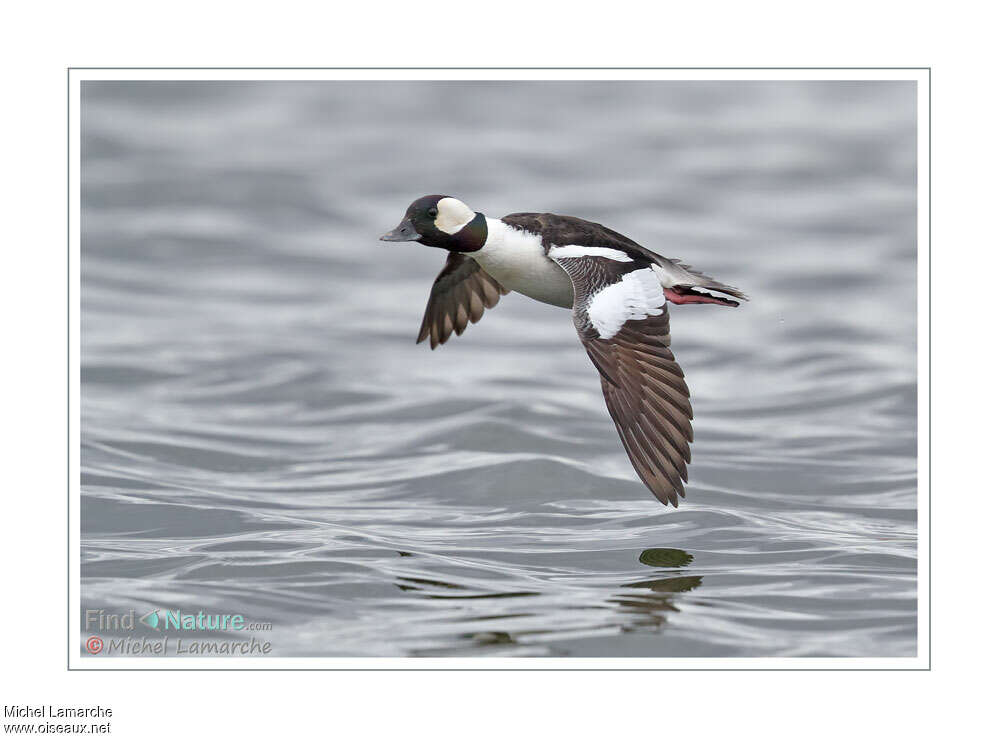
441, 221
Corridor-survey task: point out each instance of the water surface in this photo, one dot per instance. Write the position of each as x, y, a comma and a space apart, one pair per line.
261, 435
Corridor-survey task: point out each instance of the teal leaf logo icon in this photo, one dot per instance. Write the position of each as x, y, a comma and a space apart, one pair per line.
152, 620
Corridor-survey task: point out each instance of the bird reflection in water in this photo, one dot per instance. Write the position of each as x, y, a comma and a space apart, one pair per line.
642, 605
648, 610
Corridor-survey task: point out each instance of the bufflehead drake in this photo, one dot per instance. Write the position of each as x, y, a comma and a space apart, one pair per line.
617, 290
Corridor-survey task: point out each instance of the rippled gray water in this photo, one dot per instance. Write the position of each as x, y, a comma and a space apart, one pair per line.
261, 435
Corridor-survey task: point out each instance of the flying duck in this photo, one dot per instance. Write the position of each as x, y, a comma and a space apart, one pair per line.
617, 291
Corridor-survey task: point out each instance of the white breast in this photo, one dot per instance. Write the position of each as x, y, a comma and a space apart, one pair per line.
517, 261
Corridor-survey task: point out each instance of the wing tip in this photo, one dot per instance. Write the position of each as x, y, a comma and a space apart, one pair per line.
672, 495
667, 497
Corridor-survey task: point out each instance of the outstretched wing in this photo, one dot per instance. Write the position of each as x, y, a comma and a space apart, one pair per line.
461, 294
621, 318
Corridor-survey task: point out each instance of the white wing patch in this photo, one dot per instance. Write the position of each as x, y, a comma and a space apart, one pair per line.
572, 250
638, 295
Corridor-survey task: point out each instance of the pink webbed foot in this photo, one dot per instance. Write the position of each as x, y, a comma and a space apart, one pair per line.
683, 295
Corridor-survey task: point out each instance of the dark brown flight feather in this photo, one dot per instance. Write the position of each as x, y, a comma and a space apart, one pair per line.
459, 296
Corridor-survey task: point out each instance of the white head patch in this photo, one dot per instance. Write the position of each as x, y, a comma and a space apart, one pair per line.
452, 215
638, 295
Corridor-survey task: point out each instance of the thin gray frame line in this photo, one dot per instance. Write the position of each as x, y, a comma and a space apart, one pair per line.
929, 368
504, 669
612, 69
69, 238
929, 447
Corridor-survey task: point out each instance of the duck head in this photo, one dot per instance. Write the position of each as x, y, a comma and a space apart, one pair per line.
441, 221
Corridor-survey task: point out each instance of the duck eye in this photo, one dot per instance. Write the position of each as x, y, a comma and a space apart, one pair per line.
432, 212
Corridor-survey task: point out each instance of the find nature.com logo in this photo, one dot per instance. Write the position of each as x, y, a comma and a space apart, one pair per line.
165, 622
